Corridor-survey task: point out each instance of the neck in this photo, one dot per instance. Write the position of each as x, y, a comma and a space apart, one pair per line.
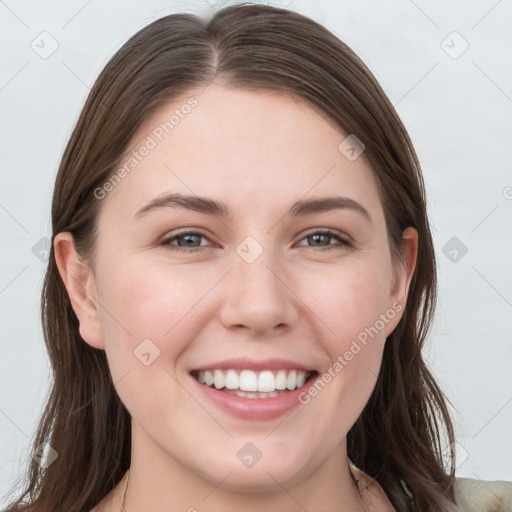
155, 480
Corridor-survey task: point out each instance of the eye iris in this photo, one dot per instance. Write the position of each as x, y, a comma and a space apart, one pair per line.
317, 236
188, 239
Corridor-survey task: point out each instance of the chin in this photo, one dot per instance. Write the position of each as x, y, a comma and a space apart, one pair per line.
267, 474
263, 480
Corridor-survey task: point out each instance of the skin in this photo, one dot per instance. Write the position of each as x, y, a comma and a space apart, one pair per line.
258, 152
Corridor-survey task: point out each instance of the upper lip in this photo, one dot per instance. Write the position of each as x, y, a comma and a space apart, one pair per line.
255, 365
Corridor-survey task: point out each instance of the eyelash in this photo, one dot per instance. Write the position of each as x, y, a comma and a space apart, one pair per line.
329, 232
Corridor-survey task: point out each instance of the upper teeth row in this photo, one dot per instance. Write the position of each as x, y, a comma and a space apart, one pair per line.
247, 380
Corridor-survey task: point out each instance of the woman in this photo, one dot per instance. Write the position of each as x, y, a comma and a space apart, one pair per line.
277, 363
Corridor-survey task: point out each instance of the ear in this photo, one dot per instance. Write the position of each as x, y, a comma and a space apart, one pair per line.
80, 284
403, 271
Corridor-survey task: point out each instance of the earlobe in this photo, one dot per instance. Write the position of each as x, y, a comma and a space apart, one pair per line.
80, 285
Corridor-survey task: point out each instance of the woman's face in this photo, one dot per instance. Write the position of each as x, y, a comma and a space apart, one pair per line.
259, 288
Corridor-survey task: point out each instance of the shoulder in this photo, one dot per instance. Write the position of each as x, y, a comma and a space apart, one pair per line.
483, 495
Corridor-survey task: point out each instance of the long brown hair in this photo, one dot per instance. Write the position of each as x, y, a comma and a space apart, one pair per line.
397, 440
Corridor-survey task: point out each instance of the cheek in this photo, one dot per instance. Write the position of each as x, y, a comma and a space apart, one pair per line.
352, 303
151, 314
349, 299
152, 301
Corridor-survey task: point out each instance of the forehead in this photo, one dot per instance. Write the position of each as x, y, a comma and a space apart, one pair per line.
257, 149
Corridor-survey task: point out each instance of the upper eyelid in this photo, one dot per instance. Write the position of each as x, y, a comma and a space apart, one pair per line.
190, 231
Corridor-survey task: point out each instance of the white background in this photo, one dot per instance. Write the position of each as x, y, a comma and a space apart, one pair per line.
458, 112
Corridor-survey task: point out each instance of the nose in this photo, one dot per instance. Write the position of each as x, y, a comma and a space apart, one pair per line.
258, 298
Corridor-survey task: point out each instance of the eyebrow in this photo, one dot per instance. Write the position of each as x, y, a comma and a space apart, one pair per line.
211, 207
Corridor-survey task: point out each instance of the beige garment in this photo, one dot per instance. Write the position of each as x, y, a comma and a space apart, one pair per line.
472, 495
483, 495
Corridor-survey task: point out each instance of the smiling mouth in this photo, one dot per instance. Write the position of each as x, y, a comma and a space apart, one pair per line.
253, 384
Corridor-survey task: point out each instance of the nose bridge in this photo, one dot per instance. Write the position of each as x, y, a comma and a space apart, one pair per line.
258, 297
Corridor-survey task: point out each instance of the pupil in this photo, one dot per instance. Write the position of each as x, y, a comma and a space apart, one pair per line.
316, 237
187, 238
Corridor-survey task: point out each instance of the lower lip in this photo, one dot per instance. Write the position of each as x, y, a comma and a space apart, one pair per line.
255, 408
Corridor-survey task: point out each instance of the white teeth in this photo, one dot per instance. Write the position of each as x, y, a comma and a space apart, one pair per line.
232, 379
291, 381
248, 381
281, 380
208, 378
252, 384
266, 381
218, 379
247, 394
